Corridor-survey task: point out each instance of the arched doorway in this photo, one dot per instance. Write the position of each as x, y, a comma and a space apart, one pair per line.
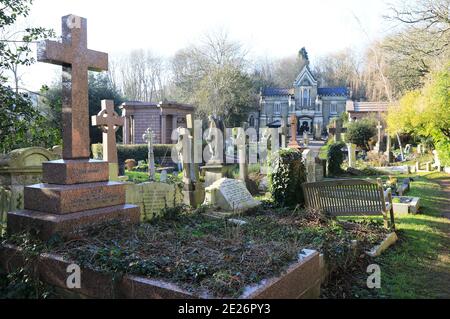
304, 124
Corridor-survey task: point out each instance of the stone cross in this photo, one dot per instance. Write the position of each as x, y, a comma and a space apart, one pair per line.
76, 59
148, 137
293, 142
109, 121
378, 145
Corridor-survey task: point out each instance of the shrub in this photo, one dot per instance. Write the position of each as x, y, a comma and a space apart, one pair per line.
287, 175
335, 158
138, 152
360, 132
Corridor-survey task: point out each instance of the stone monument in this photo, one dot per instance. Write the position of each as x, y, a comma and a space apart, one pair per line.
351, 155
214, 169
109, 122
148, 137
377, 147
75, 192
293, 142
230, 195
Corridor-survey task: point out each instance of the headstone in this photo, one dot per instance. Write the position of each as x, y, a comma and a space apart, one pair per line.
76, 192
338, 126
293, 142
231, 195
148, 137
437, 162
20, 168
351, 155
284, 131
57, 149
163, 176
389, 154
109, 122
305, 139
310, 165
242, 154
407, 149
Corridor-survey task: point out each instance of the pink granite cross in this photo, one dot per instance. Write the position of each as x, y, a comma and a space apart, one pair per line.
76, 59
109, 121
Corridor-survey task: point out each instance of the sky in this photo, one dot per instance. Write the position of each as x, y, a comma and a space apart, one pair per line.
272, 28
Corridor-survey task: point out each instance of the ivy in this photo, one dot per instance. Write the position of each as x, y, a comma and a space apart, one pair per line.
288, 173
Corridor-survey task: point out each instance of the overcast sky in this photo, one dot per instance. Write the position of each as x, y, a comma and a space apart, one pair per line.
273, 28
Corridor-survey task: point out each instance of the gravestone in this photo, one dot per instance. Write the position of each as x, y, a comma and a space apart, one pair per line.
148, 137
109, 122
214, 168
231, 195
242, 154
378, 144
437, 162
407, 150
293, 142
388, 153
20, 168
76, 192
163, 176
351, 155
284, 131
310, 165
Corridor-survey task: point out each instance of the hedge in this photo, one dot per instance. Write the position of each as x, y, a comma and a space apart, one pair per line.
138, 152
286, 177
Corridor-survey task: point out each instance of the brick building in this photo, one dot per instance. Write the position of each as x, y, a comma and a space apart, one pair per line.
162, 118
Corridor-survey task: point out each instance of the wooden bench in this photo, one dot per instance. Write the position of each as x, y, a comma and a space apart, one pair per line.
349, 197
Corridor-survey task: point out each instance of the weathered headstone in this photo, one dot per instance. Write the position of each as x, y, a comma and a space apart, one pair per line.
351, 155
109, 122
293, 142
148, 137
230, 194
437, 162
242, 154
284, 131
310, 165
76, 192
214, 169
163, 176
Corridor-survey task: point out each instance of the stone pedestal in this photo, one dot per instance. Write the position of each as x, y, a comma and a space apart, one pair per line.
213, 173
75, 194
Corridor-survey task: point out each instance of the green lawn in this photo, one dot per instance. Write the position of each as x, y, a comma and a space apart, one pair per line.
418, 265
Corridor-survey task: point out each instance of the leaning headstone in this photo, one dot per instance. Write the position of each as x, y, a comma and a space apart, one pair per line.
351, 155
109, 122
231, 195
76, 192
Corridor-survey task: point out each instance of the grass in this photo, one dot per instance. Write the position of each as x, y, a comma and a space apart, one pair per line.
418, 265
142, 177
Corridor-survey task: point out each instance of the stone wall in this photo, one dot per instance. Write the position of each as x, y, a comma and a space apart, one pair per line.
152, 197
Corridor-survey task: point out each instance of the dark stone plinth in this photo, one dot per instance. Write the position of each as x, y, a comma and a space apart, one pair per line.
65, 199
47, 224
68, 172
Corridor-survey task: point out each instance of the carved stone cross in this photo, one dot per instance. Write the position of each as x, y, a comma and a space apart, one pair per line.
76, 59
293, 142
148, 137
109, 121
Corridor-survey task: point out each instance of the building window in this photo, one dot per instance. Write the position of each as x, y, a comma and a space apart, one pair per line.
333, 108
306, 97
277, 108
252, 121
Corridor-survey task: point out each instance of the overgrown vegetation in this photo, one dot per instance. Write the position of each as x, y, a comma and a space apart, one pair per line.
335, 158
202, 253
287, 175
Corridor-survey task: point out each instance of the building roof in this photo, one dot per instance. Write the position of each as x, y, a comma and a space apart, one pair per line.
162, 104
334, 91
139, 103
367, 107
277, 91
